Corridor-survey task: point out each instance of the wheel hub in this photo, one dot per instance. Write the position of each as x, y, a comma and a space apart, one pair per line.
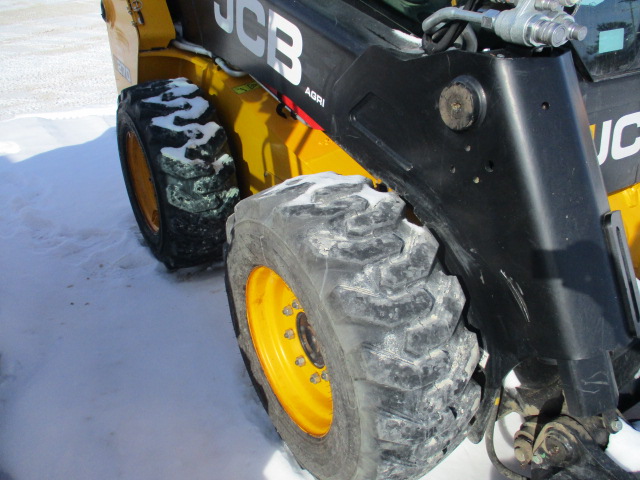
308, 340
289, 351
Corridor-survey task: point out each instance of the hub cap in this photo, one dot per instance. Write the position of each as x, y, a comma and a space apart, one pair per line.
289, 351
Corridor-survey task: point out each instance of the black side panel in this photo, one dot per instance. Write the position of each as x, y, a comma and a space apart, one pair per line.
519, 193
517, 197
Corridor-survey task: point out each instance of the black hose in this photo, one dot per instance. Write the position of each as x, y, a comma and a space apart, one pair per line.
491, 451
443, 38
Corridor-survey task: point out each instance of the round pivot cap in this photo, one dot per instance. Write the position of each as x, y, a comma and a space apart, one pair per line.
462, 103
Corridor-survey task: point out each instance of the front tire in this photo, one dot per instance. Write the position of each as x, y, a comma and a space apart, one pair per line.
384, 319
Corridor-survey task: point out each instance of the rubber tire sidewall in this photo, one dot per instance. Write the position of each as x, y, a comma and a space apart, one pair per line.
335, 454
154, 239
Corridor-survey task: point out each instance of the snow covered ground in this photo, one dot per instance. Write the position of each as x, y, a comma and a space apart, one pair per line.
54, 55
110, 367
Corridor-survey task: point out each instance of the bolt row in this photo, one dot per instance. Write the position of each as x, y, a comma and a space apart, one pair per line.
289, 334
288, 309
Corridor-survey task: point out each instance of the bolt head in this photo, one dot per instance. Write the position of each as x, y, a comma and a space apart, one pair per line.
616, 425
325, 376
296, 305
288, 311
555, 449
300, 361
315, 378
520, 454
289, 334
489, 19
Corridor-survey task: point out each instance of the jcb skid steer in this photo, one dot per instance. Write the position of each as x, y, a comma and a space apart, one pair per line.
429, 214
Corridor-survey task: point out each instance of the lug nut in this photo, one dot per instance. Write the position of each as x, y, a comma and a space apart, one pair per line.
288, 334
288, 311
296, 305
315, 378
325, 376
300, 361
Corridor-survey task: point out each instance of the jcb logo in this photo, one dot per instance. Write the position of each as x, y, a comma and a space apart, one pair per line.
245, 11
621, 141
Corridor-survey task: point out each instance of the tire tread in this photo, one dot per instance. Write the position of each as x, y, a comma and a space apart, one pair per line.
398, 312
196, 193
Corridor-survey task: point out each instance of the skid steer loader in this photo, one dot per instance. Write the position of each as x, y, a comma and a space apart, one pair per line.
428, 213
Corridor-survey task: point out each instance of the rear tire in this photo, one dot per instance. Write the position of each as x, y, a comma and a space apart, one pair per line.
179, 176
385, 318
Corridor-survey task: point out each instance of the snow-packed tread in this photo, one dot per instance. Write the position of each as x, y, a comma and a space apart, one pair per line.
394, 311
193, 174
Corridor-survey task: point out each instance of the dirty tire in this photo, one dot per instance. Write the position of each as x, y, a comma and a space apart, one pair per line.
386, 316
181, 182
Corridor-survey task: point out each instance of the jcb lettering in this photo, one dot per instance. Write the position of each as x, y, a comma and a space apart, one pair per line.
292, 51
617, 144
225, 22
254, 45
283, 52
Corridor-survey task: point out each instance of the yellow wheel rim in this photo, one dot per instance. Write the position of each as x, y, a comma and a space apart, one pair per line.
288, 351
143, 188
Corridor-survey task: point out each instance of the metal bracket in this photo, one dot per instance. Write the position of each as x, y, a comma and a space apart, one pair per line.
623, 266
564, 450
532, 23
135, 10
